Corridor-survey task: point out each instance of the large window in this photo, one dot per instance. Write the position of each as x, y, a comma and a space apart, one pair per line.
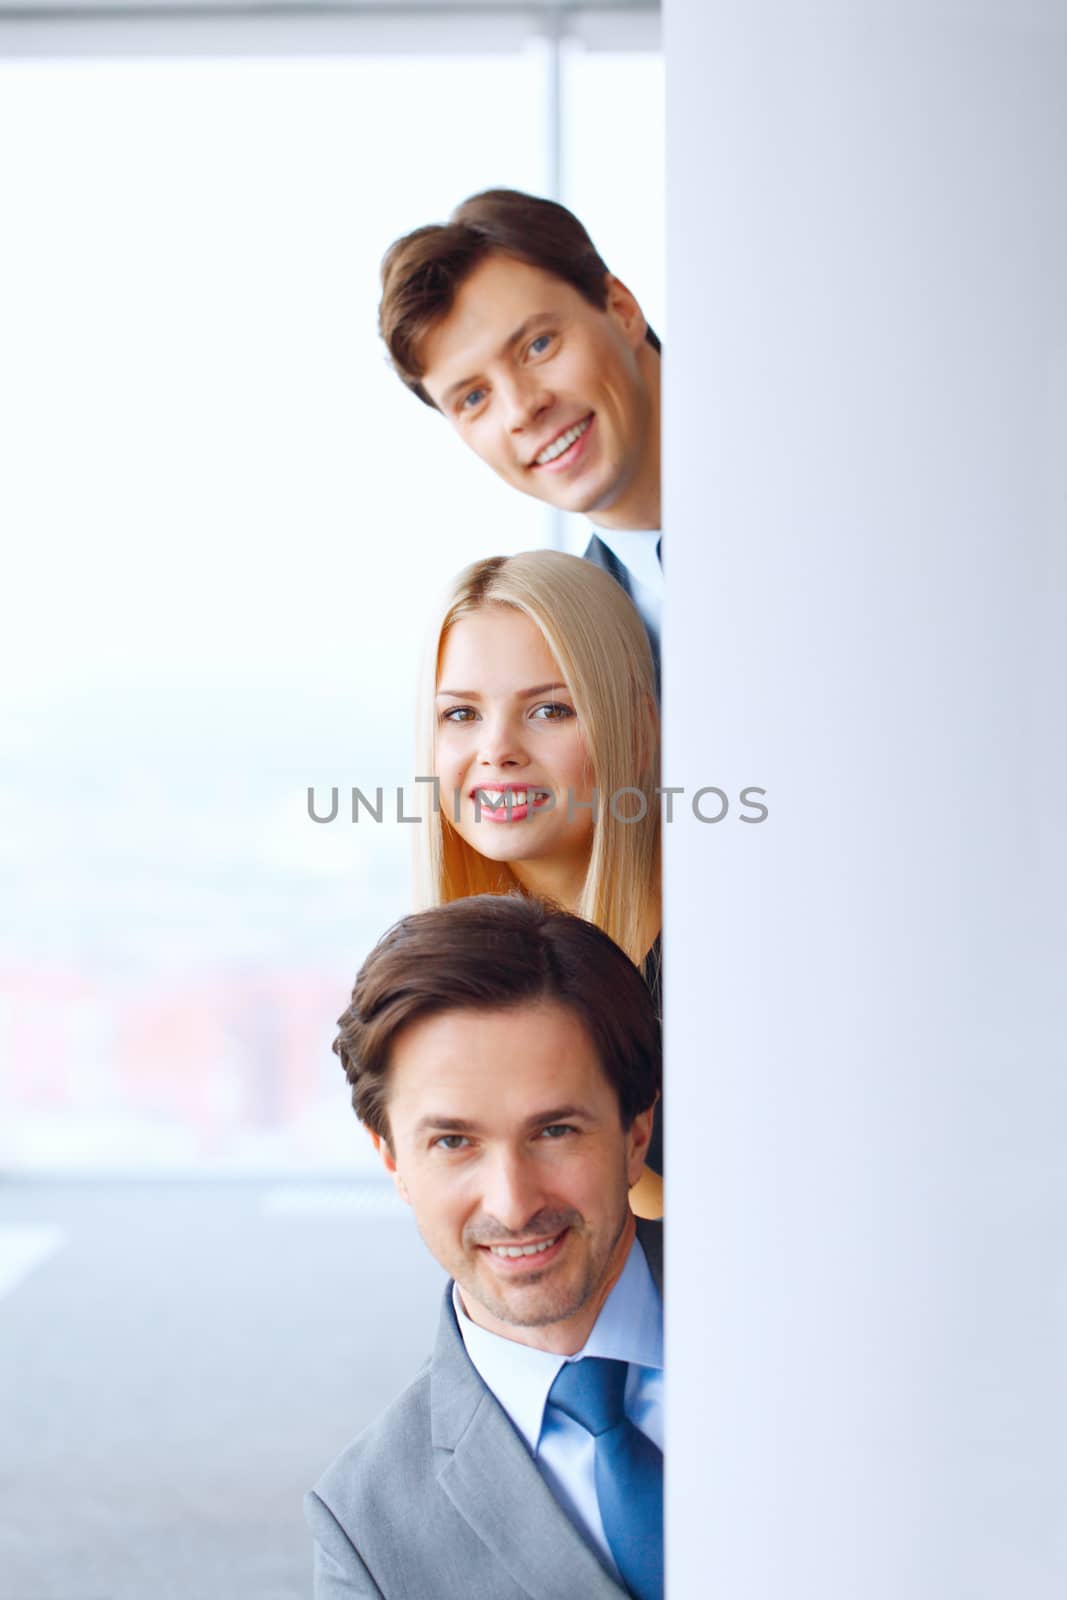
226, 522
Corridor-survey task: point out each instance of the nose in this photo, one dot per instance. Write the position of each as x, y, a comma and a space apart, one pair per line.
502, 743
525, 399
513, 1193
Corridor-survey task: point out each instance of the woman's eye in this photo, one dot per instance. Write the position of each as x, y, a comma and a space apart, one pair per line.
539, 345
451, 1141
472, 398
458, 714
552, 711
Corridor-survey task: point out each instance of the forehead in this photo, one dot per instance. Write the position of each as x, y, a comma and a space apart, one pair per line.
497, 1068
490, 305
498, 643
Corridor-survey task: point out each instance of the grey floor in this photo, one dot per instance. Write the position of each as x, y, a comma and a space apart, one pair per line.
180, 1369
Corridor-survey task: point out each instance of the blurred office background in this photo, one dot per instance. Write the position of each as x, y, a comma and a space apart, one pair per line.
224, 523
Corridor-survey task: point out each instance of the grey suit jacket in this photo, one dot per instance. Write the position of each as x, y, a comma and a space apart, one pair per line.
440, 1498
602, 556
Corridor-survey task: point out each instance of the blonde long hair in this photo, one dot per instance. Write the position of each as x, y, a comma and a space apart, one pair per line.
595, 634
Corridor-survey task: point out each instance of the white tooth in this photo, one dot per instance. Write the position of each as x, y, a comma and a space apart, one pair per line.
564, 442
513, 1250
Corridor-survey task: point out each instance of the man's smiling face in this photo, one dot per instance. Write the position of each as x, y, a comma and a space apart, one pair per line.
506, 1139
559, 398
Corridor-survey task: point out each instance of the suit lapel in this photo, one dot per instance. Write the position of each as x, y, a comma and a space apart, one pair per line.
602, 556
650, 1235
491, 1479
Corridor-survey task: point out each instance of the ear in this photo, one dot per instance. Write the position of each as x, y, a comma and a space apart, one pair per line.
389, 1163
638, 1140
625, 312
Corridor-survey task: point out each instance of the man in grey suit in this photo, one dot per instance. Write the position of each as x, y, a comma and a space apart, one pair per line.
507, 321
506, 1056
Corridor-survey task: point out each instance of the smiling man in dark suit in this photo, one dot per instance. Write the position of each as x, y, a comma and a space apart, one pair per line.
507, 1057
507, 320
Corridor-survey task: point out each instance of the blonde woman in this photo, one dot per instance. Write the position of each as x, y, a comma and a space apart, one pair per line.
538, 718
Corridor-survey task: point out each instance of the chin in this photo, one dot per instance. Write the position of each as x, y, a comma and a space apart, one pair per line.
537, 1310
580, 500
602, 495
495, 849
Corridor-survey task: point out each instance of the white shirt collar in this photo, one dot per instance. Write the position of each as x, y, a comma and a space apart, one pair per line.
637, 549
629, 1328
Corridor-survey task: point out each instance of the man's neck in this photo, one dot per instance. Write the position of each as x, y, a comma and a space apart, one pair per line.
639, 504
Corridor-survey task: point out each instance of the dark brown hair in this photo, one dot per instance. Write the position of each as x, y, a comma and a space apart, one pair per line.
489, 952
423, 271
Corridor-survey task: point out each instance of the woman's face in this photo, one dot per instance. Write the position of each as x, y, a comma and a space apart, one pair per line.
516, 778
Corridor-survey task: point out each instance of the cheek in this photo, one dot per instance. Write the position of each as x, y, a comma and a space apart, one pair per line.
617, 404
579, 1184
575, 778
484, 438
575, 760
436, 1202
449, 755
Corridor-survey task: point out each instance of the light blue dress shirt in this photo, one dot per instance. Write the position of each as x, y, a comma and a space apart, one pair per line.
629, 1328
638, 550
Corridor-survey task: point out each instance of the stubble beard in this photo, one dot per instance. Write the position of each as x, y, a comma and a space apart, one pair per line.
560, 1302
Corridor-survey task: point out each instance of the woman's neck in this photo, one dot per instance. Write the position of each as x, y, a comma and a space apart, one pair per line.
563, 881
560, 881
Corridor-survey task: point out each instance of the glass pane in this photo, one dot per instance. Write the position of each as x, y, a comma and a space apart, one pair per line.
613, 165
226, 521
613, 178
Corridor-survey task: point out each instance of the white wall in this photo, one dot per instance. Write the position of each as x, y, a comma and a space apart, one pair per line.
866, 496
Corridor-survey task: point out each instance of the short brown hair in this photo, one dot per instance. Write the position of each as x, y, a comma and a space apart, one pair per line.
490, 952
423, 271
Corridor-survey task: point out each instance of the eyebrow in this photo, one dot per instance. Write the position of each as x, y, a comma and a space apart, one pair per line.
444, 1124
520, 694
571, 1113
521, 332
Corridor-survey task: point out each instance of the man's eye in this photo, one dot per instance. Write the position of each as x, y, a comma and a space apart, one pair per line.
556, 1130
539, 345
552, 711
472, 398
458, 714
451, 1141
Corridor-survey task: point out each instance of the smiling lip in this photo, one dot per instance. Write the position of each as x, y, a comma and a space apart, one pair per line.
572, 453
502, 809
512, 1265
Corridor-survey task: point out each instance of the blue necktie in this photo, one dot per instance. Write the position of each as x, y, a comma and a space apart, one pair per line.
629, 1469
